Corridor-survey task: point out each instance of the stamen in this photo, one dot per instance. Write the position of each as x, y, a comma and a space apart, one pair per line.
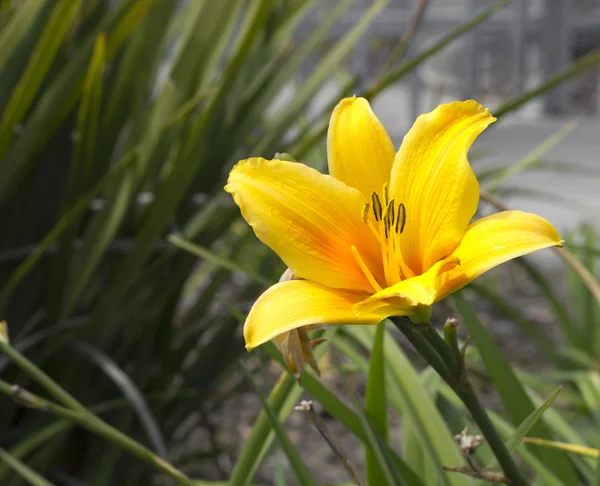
376, 233
401, 219
377, 208
386, 194
365, 269
391, 212
364, 214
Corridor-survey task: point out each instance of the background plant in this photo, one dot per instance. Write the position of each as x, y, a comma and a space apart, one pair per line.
126, 270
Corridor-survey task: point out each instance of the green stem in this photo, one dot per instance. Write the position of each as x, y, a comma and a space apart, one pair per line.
94, 424
40, 377
392, 76
433, 342
585, 62
424, 347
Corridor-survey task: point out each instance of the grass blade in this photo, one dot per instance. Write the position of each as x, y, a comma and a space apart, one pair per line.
23, 470
329, 64
131, 392
376, 403
517, 404
583, 63
409, 397
564, 446
532, 157
297, 464
15, 32
283, 398
217, 260
522, 430
54, 33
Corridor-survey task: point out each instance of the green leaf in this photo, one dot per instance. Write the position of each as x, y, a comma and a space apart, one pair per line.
407, 394
302, 147
17, 29
284, 396
530, 421
216, 260
376, 404
545, 474
344, 414
32, 441
297, 464
517, 404
23, 470
532, 157
329, 63
515, 315
54, 33
580, 65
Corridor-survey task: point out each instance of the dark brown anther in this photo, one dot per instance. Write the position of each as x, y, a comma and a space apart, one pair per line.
377, 208
400, 219
391, 213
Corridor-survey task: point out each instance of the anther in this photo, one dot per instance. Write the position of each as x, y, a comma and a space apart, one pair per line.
364, 214
391, 212
400, 219
386, 194
377, 209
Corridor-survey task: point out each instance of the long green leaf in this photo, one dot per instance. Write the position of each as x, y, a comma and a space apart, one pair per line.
408, 395
216, 260
300, 469
517, 404
532, 157
376, 403
529, 422
14, 33
23, 470
282, 399
54, 33
329, 64
546, 475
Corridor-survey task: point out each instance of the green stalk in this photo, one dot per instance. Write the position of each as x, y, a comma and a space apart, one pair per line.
97, 426
424, 347
407, 67
585, 62
40, 377
430, 345
75, 411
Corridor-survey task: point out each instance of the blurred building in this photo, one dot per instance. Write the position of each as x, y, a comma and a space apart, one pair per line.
521, 45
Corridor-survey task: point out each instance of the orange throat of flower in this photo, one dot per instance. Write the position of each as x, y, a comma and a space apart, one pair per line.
387, 227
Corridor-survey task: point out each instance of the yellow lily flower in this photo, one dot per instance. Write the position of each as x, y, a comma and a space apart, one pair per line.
386, 233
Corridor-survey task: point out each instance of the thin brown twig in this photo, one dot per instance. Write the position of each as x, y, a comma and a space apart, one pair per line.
468, 445
492, 477
402, 48
586, 276
309, 409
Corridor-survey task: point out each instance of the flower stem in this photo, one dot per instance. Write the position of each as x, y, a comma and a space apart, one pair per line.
440, 355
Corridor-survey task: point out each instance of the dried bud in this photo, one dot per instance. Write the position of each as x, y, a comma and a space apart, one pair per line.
468, 443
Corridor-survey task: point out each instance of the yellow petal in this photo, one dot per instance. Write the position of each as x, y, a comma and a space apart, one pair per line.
432, 177
494, 240
407, 296
359, 149
309, 219
297, 303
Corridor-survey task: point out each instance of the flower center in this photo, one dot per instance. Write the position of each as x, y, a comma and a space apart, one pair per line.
390, 220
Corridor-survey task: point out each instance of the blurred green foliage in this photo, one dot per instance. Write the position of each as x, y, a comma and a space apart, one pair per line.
125, 269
